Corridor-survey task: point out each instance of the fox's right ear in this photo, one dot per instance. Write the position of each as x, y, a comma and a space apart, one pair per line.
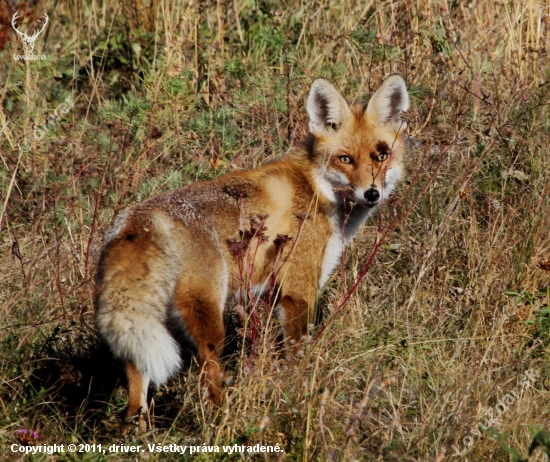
326, 108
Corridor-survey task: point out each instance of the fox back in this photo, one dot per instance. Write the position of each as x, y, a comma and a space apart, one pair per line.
171, 262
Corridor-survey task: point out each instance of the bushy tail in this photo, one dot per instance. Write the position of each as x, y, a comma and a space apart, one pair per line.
136, 283
142, 339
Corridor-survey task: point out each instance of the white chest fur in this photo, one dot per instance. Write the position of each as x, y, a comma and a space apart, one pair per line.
331, 258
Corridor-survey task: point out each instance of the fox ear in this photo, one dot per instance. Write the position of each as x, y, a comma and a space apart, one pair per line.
325, 107
389, 102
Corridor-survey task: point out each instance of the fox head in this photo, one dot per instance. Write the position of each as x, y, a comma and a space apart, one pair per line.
358, 148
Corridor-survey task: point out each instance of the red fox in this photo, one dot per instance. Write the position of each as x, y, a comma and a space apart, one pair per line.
167, 261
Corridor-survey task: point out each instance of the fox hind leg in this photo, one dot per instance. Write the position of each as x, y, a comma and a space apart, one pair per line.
138, 384
202, 314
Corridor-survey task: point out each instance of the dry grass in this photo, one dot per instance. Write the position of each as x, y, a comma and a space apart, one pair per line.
454, 308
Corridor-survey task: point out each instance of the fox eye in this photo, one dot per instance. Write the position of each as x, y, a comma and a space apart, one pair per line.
345, 159
382, 156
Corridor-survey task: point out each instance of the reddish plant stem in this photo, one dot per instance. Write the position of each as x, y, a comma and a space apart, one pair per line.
92, 230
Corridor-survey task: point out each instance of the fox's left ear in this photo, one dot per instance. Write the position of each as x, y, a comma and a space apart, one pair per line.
326, 108
388, 103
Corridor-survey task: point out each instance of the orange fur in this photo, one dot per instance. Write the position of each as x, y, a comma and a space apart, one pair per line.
168, 261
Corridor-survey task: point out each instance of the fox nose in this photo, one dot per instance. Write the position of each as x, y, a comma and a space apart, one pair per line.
372, 195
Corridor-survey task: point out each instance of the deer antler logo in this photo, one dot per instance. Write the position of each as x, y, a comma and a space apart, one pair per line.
29, 39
